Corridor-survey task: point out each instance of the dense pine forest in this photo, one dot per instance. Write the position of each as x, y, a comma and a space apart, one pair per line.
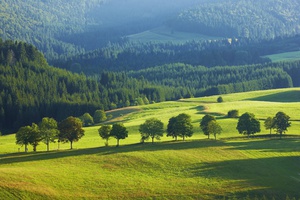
241, 18
31, 89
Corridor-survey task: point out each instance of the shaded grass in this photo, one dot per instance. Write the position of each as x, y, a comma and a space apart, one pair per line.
285, 96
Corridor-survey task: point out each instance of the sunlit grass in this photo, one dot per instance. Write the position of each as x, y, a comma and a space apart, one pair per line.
194, 169
165, 34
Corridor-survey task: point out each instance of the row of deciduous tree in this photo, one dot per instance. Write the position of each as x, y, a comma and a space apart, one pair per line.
70, 129
48, 131
248, 124
181, 126
153, 128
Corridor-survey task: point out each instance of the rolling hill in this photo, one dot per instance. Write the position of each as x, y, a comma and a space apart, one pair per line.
231, 168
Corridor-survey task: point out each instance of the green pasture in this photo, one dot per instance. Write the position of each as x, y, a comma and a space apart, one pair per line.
165, 34
198, 168
287, 56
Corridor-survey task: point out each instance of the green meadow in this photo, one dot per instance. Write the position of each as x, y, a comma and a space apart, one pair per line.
165, 34
287, 56
232, 167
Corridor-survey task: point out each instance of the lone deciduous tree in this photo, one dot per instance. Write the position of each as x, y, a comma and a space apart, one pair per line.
281, 123
204, 124
214, 128
87, 119
152, 128
104, 132
28, 135
48, 130
220, 99
99, 116
171, 129
119, 131
70, 130
269, 124
180, 126
248, 124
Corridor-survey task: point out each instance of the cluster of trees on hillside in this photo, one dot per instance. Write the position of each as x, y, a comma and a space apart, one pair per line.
48, 131
244, 18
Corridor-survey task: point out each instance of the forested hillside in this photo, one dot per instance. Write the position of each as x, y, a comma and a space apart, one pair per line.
242, 18
68, 28
135, 56
30, 89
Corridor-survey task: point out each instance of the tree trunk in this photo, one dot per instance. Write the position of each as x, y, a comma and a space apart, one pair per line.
118, 142
280, 135
71, 142
208, 136
152, 140
183, 137
26, 148
215, 136
47, 145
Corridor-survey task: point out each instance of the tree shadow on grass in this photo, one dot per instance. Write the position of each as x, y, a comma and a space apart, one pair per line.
276, 177
287, 145
268, 145
288, 96
102, 151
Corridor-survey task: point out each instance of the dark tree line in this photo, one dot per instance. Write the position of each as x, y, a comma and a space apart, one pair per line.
135, 56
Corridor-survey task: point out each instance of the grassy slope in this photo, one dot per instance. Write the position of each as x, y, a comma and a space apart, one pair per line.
196, 168
287, 56
164, 34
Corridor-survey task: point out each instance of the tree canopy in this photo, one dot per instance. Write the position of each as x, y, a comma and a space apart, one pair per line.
248, 124
151, 128
119, 132
281, 122
204, 124
48, 130
180, 126
28, 135
70, 130
105, 133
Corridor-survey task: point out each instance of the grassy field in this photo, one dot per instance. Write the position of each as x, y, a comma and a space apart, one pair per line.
194, 169
287, 56
164, 34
